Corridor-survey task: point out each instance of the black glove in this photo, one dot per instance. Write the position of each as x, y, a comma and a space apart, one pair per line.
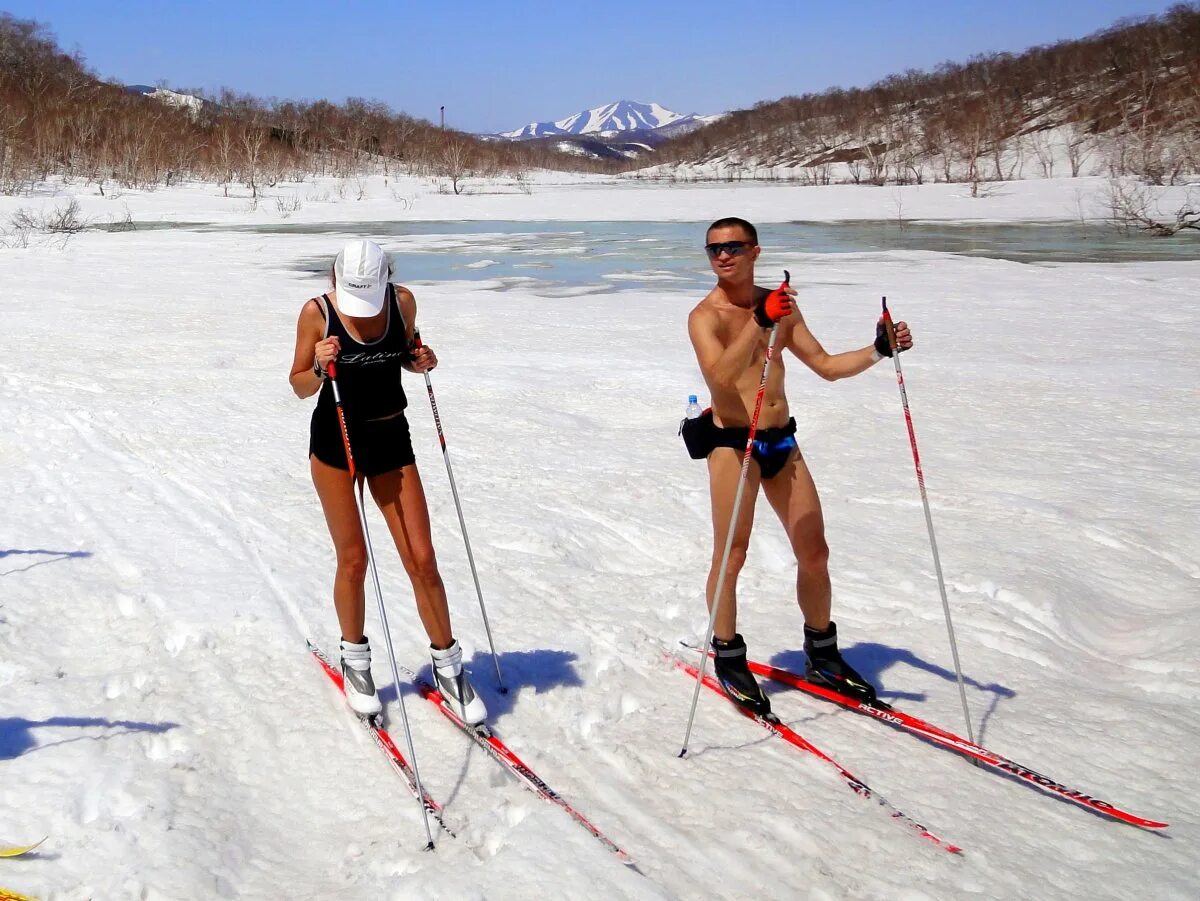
881, 341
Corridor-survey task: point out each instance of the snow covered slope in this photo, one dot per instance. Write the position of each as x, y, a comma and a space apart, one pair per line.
189, 102
163, 557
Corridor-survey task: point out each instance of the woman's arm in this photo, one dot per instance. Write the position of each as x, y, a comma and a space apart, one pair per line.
423, 359
311, 346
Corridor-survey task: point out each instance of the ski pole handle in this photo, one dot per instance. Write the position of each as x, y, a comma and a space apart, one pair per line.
889, 329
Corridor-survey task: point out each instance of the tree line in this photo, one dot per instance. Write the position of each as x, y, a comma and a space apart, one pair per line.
1125, 100
59, 119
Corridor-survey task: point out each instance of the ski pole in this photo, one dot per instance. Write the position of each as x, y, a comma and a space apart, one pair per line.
890, 330
356, 487
737, 504
437, 420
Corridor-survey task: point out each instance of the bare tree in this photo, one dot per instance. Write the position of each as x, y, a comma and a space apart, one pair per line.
1042, 149
455, 162
1133, 205
1079, 146
252, 140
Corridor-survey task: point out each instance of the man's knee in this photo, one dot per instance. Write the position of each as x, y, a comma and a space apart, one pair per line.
813, 556
737, 558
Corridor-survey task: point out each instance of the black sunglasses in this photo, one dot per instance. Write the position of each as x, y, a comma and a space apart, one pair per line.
733, 248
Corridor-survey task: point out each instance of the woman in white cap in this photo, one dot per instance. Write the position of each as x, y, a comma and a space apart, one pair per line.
366, 325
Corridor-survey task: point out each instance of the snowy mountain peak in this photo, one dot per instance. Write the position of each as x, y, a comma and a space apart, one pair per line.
190, 102
612, 118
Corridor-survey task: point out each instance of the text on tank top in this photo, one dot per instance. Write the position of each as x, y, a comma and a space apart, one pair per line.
368, 373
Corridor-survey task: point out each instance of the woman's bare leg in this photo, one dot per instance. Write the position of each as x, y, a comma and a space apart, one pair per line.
401, 499
336, 492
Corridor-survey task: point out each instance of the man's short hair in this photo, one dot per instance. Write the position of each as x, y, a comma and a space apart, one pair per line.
734, 221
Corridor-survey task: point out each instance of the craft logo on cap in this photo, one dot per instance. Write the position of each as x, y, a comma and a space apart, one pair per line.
361, 272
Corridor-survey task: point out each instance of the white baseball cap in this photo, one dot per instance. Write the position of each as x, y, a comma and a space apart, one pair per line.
362, 272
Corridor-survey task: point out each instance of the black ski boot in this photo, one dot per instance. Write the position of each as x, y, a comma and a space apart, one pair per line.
826, 667
729, 662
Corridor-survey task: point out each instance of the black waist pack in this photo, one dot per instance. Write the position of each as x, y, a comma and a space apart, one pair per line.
699, 435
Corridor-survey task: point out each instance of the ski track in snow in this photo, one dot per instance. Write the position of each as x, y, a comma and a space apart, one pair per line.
163, 558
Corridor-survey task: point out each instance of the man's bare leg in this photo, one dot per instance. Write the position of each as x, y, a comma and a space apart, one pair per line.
792, 494
730, 667
724, 473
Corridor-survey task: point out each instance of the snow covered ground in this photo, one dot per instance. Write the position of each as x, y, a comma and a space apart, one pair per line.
163, 557
563, 196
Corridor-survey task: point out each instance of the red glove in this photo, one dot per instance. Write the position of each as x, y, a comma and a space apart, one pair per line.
775, 306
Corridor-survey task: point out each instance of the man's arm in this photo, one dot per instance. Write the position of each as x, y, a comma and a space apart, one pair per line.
721, 365
832, 367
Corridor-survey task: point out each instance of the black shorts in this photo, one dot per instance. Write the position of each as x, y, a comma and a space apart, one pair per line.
379, 446
771, 451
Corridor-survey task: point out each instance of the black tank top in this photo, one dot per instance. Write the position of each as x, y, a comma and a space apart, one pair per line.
368, 375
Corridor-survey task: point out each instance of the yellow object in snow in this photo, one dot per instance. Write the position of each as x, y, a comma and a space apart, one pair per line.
18, 850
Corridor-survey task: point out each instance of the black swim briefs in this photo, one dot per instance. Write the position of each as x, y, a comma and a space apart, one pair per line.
772, 447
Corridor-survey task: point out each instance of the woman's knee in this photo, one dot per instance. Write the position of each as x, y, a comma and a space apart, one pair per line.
422, 567
352, 562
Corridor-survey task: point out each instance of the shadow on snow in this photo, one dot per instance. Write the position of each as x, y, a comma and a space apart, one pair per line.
540, 671
872, 660
17, 738
54, 556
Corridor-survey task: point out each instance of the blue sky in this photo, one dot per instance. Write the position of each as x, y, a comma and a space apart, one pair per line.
498, 65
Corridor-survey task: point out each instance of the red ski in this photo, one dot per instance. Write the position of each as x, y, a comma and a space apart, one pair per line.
383, 741
772, 724
500, 752
946, 739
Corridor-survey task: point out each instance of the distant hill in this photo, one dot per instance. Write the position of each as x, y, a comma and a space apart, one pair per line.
1123, 101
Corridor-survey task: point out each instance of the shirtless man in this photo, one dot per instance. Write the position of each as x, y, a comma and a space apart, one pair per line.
729, 331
